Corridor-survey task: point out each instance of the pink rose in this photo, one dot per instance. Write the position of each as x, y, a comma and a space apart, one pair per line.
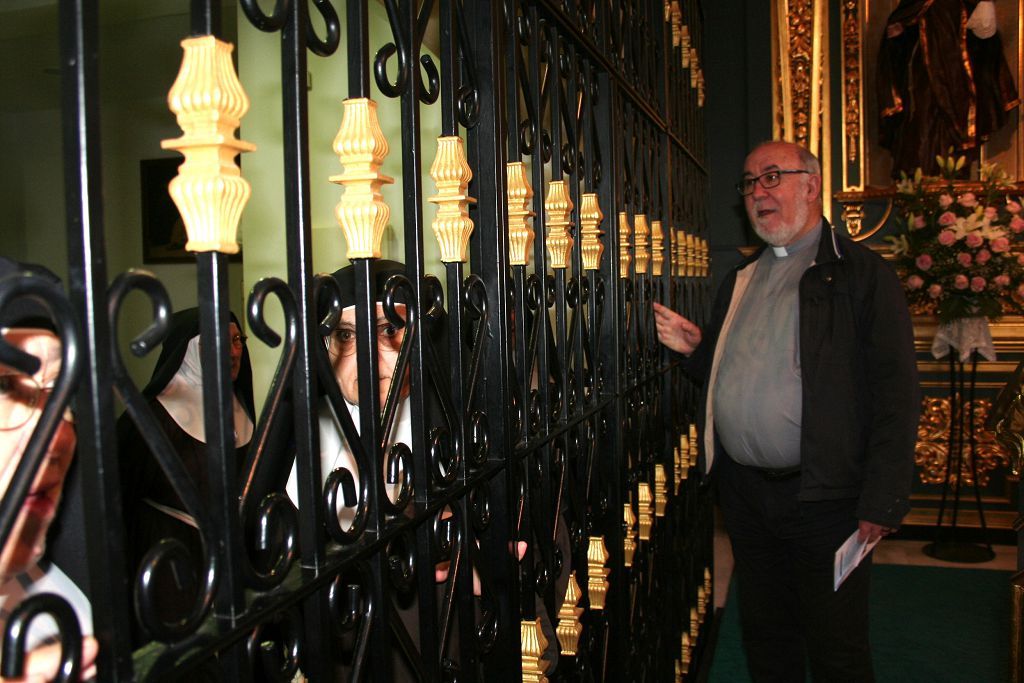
978, 284
1017, 224
924, 261
945, 200
935, 291
1001, 281
947, 237
961, 282
919, 222
991, 212
948, 218
964, 259
914, 282
973, 240
1013, 207
967, 200
982, 257
1000, 245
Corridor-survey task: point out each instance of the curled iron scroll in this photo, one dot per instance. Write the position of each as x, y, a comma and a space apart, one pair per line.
269, 520
167, 550
15, 648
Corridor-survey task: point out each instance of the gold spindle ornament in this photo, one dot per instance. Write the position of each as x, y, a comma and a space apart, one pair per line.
624, 256
643, 256
597, 572
520, 234
694, 67
684, 42
208, 100
705, 258
660, 493
686, 652
700, 88
693, 445
667, 9
533, 644
558, 206
707, 580
681, 253
657, 248
694, 623
702, 601
691, 255
645, 504
628, 538
677, 22
451, 173
683, 471
677, 469
678, 671
569, 627
590, 218
361, 147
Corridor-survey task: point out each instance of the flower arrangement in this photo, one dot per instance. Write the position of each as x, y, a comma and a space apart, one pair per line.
960, 255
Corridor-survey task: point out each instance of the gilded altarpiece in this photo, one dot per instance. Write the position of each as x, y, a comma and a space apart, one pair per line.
824, 60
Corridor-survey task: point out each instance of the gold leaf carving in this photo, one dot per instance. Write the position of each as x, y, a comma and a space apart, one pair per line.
932, 452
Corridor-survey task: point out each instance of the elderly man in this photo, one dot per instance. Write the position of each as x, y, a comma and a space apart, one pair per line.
810, 408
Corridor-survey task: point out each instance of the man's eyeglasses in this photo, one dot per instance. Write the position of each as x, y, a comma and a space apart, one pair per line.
768, 180
20, 398
342, 341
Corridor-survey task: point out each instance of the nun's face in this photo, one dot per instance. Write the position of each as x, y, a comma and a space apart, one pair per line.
237, 347
342, 352
21, 403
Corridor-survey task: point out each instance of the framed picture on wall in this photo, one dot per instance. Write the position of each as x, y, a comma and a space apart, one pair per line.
163, 232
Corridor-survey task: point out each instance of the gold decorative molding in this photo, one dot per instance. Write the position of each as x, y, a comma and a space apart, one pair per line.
800, 71
361, 147
931, 455
569, 627
660, 492
624, 256
451, 173
645, 506
533, 644
597, 572
557, 207
642, 255
590, 243
853, 119
209, 102
519, 193
628, 534
657, 248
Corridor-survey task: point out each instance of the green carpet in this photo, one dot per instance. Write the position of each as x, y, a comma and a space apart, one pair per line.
928, 624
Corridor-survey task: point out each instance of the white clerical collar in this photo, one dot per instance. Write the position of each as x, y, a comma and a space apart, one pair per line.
810, 238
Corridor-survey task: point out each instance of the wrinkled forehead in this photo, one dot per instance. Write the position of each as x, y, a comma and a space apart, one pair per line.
348, 314
771, 157
43, 344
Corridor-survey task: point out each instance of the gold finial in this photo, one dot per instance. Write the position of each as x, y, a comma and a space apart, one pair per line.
520, 235
361, 147
660, 494
680, 253
645, 504
693, 445
533, 644
558, 206
643, 256
628, 539
451, 174
657, 248
624, 257
569, 627
209, 103
597, 572
590, 218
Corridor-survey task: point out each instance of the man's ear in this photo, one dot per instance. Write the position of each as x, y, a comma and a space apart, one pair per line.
813, 187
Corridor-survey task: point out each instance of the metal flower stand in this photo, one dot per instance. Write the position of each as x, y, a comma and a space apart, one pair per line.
962, 442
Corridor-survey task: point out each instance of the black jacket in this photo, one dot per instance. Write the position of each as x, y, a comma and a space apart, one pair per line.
861, 396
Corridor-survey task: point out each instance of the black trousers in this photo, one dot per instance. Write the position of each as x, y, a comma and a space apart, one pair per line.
784, 551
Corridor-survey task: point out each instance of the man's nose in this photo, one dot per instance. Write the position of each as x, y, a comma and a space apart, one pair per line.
759, 191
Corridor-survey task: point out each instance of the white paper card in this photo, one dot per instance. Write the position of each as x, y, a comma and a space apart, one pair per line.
849, 555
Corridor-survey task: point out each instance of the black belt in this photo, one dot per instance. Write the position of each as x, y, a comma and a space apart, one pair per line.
777, 474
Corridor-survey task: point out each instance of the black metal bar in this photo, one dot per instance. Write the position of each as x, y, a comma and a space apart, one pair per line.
79, 45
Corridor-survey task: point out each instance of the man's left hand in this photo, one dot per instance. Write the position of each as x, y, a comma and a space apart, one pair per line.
871, 532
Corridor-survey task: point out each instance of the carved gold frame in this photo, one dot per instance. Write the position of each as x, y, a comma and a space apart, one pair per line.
802, 94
